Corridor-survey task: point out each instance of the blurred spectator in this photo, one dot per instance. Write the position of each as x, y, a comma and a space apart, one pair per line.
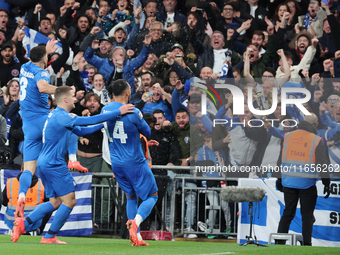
166, 153
239, 139
11, 95
144, 87
168, 14
8, 32
206, 153
327, 41
90, 147
252, 10
158, 45
189, 141
313, 20
156, 100
9, 67
105, 43
150, 10
122, 13
99, 88
173, 61
76, 34
118, 66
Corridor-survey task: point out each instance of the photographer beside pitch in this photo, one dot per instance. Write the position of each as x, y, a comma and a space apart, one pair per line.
302, 149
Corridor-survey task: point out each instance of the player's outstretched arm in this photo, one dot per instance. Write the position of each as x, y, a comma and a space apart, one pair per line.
81, 131
83, 121
46, 88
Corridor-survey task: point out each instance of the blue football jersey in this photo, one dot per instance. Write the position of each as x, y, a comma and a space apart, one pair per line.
124, 139
32, 102
56, 137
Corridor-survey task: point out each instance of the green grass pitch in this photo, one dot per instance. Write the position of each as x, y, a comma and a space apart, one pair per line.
80, 245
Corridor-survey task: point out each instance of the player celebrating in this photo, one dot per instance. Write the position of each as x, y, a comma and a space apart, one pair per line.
52, 168
34, 90
135, 178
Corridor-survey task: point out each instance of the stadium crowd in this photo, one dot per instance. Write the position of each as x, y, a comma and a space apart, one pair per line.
171, 52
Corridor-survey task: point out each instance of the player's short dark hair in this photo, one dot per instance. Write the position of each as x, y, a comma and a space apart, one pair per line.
61, 92
158, 111
182, 110
149, 118
38, 53
118, 87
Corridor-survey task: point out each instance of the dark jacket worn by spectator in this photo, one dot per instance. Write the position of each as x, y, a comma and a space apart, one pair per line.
205, 53
8, 71
74, 35
161, 16
258, 22
168, 150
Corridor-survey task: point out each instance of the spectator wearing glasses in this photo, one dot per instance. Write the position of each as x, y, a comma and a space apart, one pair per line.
4, 27
168, 14
294, 11
158, 45
227, 19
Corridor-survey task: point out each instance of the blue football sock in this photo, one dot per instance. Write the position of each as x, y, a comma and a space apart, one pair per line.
146, 206
40, 212
59, 220
25, 181
131, 207
73, 145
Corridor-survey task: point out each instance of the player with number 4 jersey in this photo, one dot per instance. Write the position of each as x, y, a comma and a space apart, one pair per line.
129, 165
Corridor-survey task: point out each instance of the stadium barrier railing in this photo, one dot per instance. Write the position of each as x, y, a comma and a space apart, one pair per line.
109, 201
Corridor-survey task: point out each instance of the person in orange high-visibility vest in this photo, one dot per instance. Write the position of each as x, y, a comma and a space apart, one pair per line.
302, 152
35, 196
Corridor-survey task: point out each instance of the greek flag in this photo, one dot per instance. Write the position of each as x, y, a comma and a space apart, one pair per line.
79, 223
268, 212
33, 38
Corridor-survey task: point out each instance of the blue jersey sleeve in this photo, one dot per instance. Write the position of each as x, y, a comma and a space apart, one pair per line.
83, 121
81, 131
140, 123
68, 120
43, 75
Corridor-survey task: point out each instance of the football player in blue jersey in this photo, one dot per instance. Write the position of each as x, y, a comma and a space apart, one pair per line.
129, 164
34, 91
52, 168
34, 109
